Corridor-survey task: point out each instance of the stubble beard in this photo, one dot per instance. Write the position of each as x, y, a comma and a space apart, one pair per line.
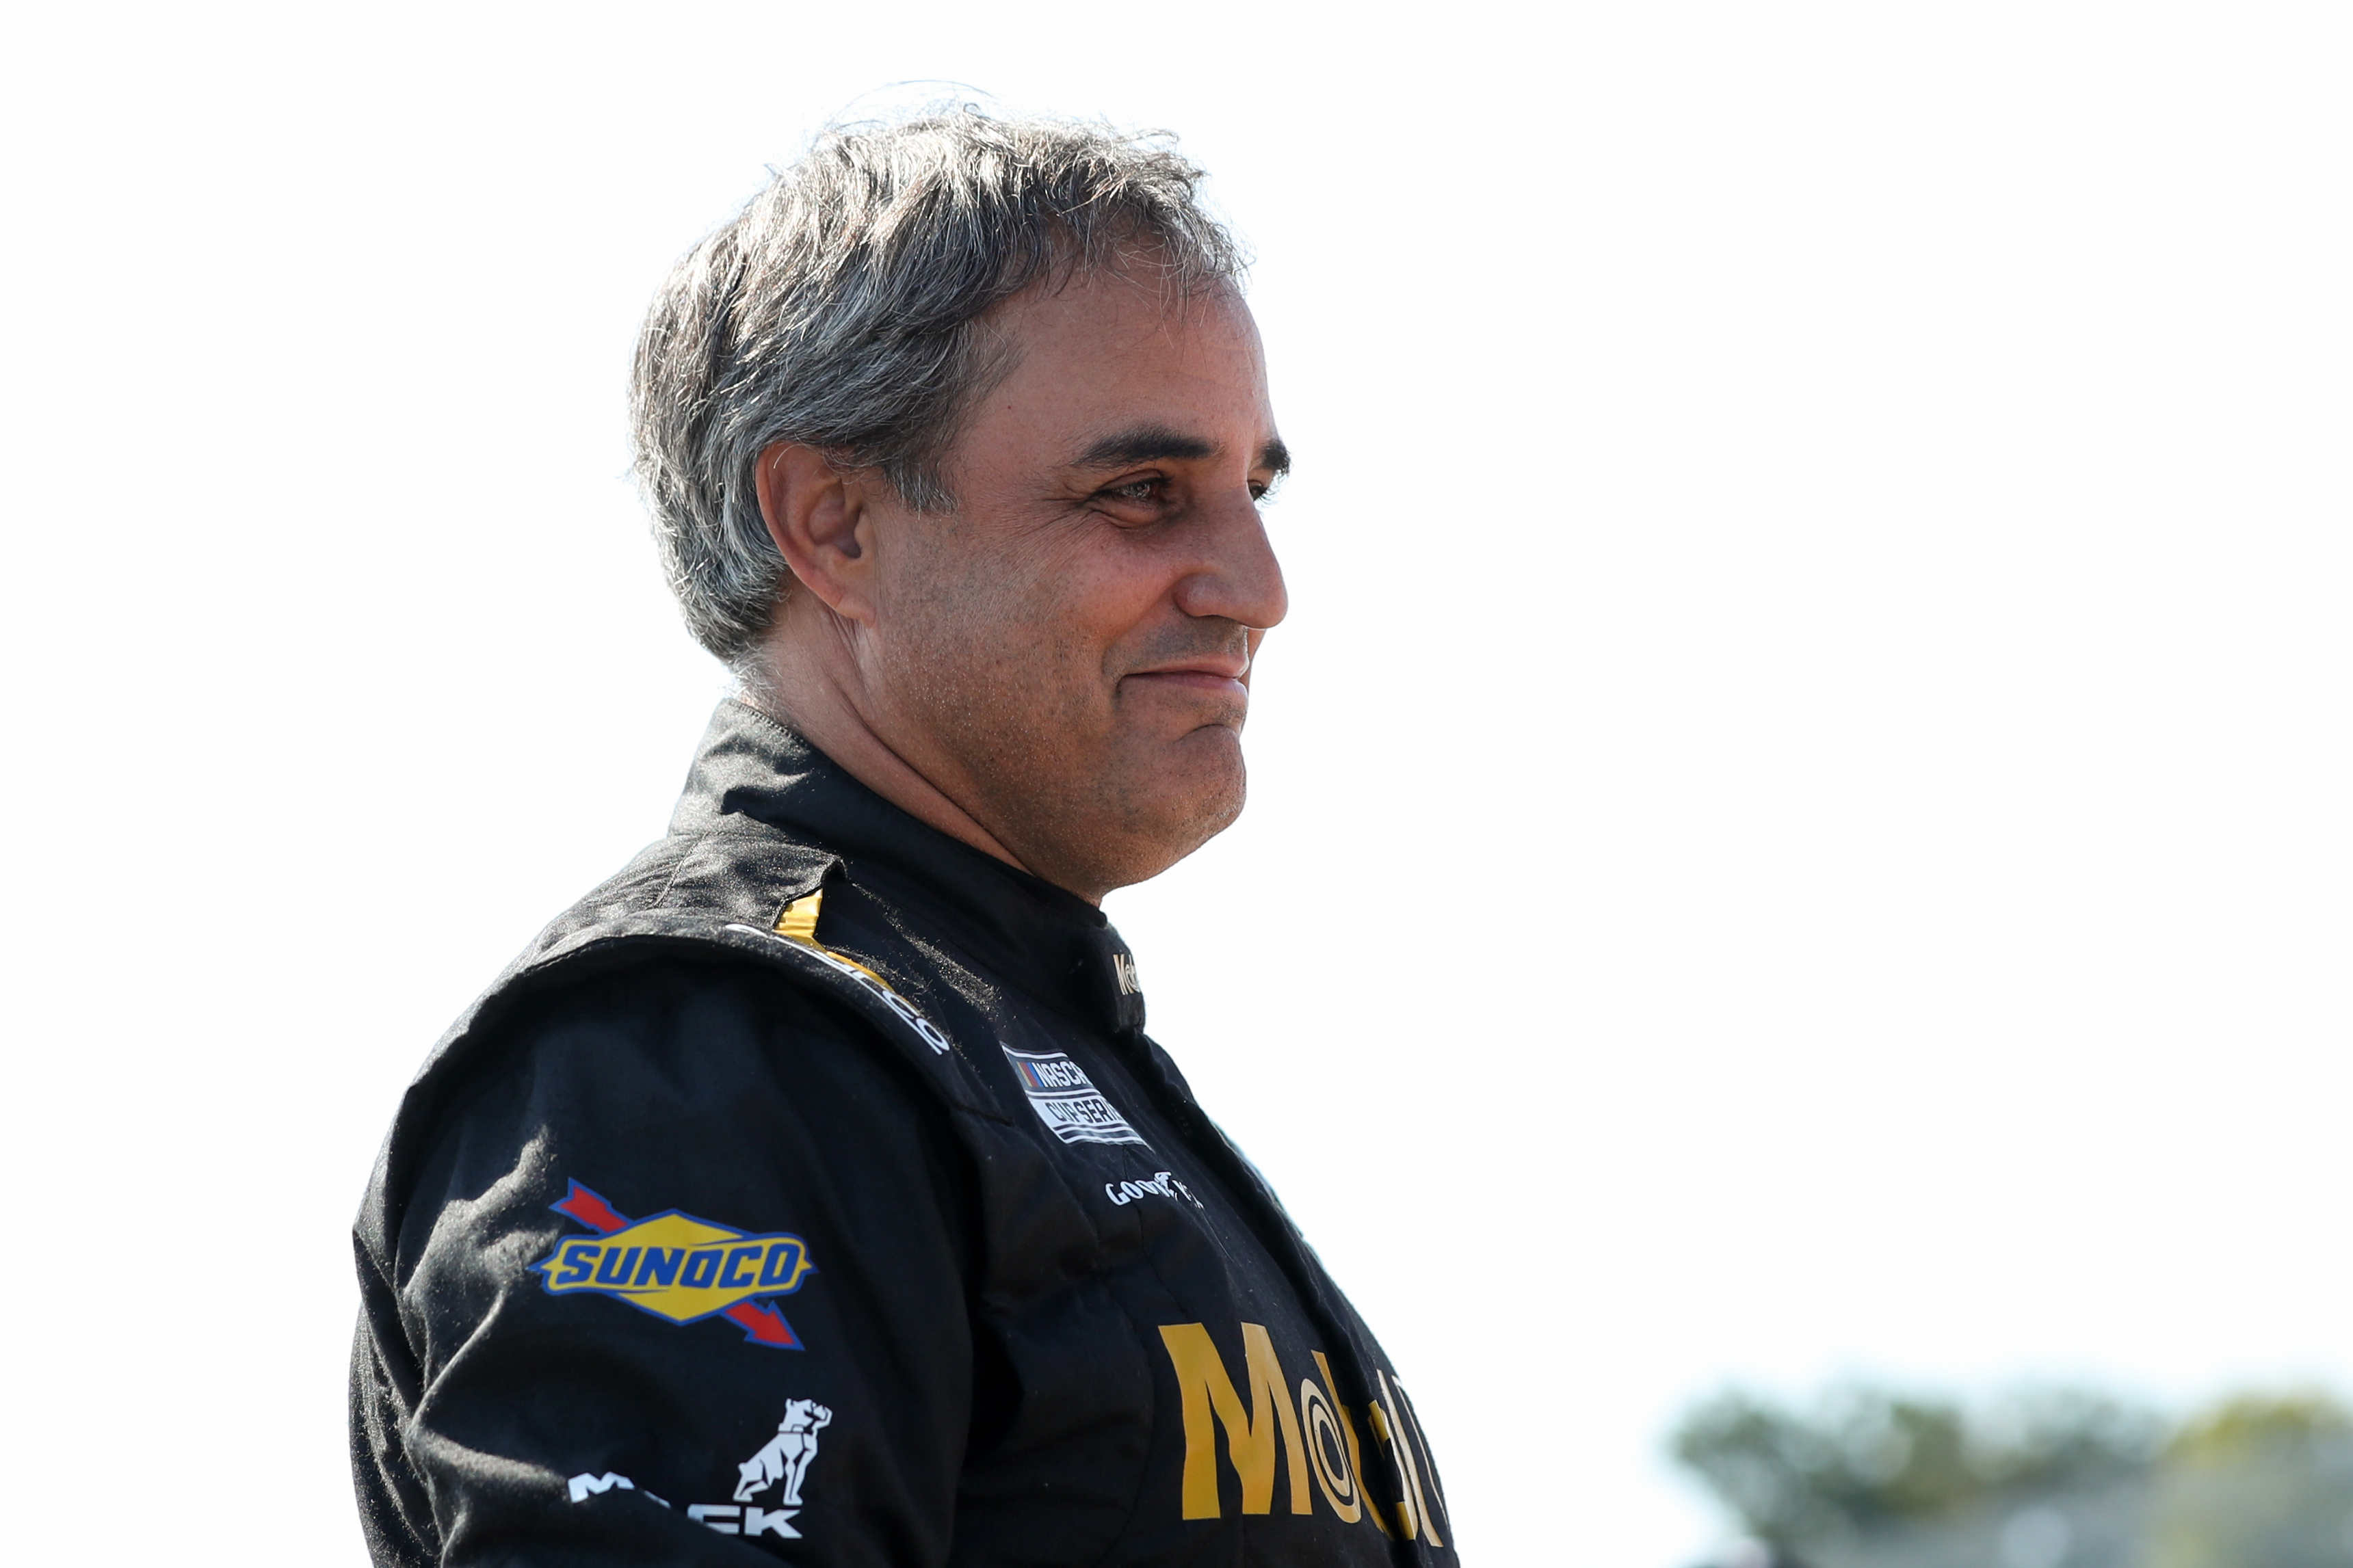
1082, 798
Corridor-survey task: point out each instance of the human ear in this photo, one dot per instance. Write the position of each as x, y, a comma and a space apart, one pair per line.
817, 515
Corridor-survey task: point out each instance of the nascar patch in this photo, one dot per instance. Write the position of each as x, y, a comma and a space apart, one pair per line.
1067, 1100
677, 1268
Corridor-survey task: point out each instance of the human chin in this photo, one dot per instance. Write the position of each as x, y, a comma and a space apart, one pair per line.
1196, 782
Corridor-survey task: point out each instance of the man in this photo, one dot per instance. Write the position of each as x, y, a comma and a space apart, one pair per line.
810, 1190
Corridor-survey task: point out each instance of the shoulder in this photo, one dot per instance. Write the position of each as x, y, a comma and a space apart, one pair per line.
701, 1019
741, 1105
683, 928
641, 1053
662, 1035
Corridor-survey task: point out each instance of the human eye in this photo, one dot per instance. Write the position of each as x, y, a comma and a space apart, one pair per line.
1136, 492
1135, 501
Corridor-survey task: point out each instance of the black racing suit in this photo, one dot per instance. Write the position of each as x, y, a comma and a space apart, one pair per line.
811, 1192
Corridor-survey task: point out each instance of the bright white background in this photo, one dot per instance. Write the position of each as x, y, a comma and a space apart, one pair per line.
1801, 817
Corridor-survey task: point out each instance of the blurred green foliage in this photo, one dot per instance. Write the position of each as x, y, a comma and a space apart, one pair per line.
1871, 1474
2257, 1481
1861, 1456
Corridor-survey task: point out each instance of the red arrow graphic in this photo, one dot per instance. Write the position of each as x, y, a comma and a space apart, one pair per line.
590, 1210
761, 1323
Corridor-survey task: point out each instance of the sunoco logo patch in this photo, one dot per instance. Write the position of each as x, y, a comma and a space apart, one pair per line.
677, 1268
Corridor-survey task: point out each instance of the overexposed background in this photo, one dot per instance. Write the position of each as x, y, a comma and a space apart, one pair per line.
1801, 815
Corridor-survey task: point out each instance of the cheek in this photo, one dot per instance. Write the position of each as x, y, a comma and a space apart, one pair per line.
1041, 627
979, 638
1120, 604
1076, 617
955, 599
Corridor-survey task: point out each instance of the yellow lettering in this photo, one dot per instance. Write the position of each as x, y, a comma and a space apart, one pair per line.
1383, 1429
1356, 1461
1325, 1449
1252, 1436
1409, 1423
1402, 1445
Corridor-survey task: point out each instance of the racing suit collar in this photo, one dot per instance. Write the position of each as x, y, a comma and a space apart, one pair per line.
1048, 940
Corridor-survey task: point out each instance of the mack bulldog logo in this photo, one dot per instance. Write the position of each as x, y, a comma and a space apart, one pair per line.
677, 1268
786, 1458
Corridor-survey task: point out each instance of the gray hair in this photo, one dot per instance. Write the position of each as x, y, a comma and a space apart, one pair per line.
840, 309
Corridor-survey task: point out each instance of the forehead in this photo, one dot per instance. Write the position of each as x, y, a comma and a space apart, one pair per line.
1113, 349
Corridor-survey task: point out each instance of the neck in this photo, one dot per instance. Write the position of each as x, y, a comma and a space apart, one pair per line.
802, 693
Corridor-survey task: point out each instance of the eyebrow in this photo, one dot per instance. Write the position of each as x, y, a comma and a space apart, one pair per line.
1159, 443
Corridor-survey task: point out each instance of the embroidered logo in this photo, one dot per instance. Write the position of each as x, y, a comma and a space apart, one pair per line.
1162, 1183
677, 1268
865, 977
1067, 1100
1123, 968
590, 1484
786, 1458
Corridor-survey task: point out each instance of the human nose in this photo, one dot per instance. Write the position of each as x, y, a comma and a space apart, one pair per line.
1238, 578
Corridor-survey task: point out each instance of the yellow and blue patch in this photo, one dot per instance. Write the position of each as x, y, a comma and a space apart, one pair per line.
677, 1268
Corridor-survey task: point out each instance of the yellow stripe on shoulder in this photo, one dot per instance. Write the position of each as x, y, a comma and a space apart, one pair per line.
798, 923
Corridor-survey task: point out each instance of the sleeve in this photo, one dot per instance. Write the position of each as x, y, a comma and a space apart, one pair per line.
682, 1280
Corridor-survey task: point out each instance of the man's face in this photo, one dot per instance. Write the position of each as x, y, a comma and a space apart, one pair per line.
1067, 655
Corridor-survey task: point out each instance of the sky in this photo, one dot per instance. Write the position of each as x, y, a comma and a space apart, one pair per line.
1798, 820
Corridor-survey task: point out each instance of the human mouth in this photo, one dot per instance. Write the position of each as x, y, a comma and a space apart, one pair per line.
1211, 676
1192, 681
